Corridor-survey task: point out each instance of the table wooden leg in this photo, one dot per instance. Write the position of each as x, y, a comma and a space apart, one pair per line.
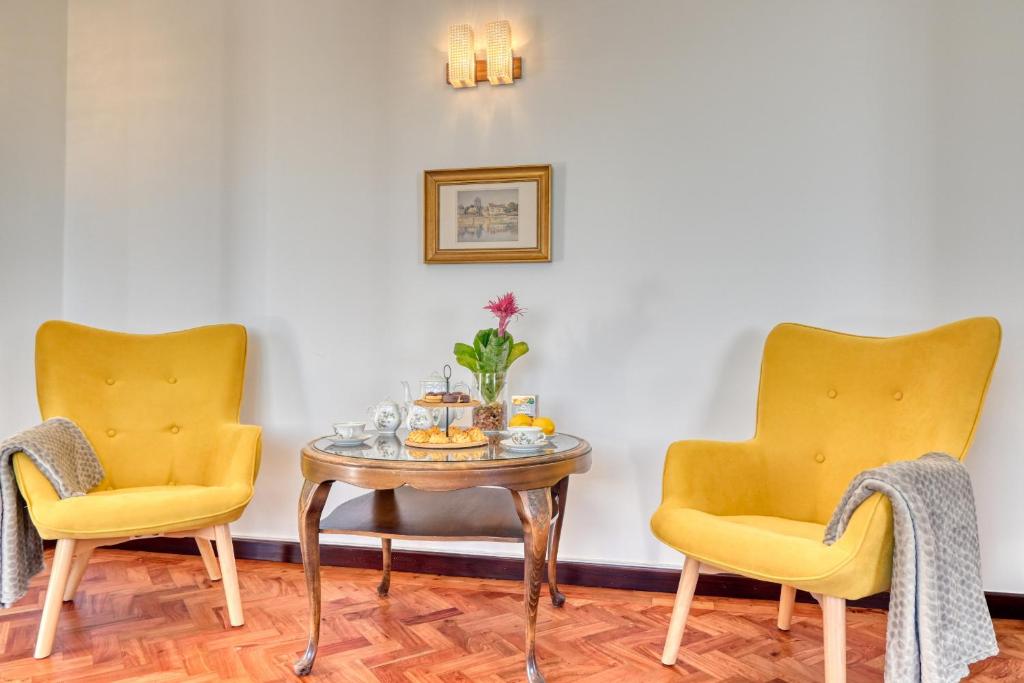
534, 508
560, 491
311, 505
385, 580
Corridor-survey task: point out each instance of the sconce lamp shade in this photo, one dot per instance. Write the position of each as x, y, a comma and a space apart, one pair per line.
461, 56
499, 53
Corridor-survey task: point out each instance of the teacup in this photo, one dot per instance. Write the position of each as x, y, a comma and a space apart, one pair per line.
349, 430
527, 436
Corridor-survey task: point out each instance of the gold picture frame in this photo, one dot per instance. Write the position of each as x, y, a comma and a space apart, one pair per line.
487, 215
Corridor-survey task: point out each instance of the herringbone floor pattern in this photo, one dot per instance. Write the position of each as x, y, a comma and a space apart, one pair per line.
156, 617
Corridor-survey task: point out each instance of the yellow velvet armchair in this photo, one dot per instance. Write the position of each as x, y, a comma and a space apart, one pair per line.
161, 412
830, 406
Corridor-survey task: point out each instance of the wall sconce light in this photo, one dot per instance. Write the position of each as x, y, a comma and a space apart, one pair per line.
463, 69
499, 53
461, 56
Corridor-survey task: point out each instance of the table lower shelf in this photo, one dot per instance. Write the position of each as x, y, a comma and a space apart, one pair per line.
476, 514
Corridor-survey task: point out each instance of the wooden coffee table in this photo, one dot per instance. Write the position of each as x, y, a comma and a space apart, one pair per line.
436, 495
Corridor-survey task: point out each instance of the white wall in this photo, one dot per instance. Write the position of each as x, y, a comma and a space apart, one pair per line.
144, 213
977, 250
306, 144
33, 39
719, 166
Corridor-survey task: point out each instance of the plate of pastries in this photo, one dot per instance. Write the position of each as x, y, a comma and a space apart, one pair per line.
435, 437
446, 399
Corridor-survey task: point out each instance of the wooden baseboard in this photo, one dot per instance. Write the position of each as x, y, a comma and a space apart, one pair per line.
1001, 605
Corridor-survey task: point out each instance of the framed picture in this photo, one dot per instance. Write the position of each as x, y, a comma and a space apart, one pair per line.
487, 215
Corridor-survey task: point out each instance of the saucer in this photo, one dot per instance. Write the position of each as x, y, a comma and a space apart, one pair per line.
346, 441
509, 445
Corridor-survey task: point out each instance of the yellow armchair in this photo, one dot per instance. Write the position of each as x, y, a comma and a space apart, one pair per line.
830, 406
162, 413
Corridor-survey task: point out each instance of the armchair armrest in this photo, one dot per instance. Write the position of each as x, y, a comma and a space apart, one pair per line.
35, 488
236, 456
718, 477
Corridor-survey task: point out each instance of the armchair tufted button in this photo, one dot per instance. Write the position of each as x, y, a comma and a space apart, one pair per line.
111, 432
172, 380
175, 429
819, 458
832, 393
898, 396
110, 381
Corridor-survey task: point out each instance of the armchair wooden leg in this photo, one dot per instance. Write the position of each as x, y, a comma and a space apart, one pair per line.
209, 559
54, 596
77, 571
833, 611
226, 553
681, 610
787, 596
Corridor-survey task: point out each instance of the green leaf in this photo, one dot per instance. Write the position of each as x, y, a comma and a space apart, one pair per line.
517, 350
464, 349
465, 355
495, 354
468, 362
490, 352
480, 341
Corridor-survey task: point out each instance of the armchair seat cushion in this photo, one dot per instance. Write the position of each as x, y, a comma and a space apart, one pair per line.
776, 549
140, 511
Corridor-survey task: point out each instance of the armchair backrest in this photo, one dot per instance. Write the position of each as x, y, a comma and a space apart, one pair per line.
149, 404
832, 405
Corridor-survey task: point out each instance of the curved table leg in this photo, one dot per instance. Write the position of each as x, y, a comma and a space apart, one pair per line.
534, 508
385, 580
311, 505
560, 491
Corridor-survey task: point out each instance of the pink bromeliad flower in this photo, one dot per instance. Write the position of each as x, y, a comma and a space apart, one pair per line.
504, 308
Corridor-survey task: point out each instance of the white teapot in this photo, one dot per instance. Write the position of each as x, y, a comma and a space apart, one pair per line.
386, 416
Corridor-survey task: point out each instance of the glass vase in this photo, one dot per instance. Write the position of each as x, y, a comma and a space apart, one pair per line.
491, 389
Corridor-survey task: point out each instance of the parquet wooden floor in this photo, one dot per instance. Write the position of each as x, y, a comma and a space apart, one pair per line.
157, 617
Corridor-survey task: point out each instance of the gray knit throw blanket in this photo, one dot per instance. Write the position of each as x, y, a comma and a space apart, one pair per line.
938, 619
66, 458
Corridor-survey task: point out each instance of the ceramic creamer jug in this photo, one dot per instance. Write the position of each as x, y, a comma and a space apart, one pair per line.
419, 417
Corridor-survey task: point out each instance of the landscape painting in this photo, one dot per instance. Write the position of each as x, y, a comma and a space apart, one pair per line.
500, 214
488, 215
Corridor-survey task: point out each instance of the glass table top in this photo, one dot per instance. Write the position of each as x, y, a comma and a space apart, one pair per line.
392, 447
